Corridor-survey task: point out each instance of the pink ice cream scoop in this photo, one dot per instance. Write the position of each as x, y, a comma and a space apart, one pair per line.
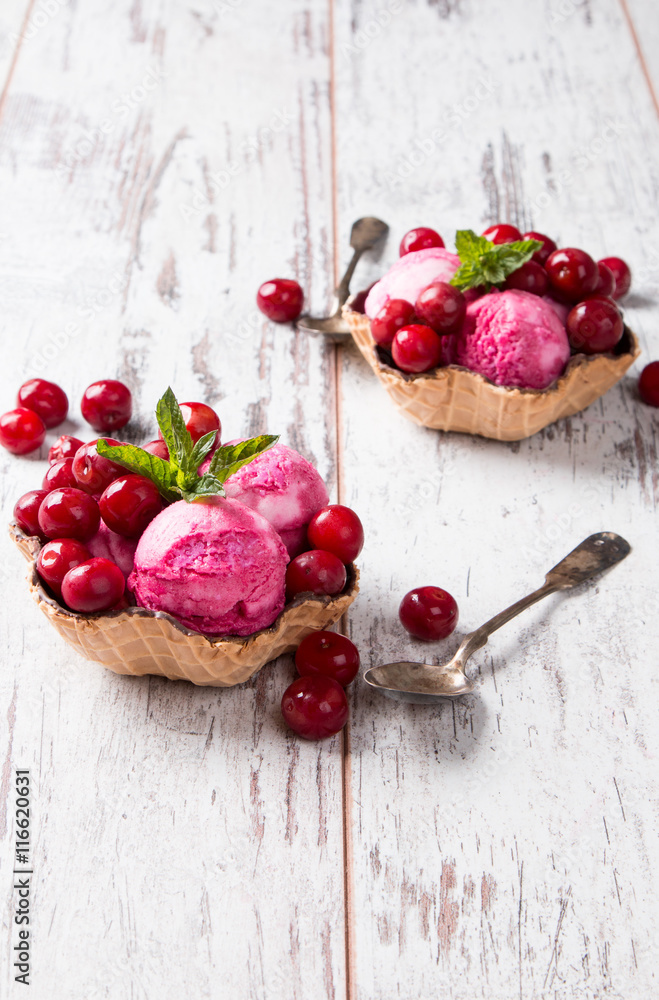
285, 489
513, 338
215, 565
407, 278
107, 544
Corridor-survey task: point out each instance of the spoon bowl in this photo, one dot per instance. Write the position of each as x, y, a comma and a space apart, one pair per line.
426, 683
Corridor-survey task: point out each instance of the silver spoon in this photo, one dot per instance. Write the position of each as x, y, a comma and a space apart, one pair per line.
424, 682
364, 235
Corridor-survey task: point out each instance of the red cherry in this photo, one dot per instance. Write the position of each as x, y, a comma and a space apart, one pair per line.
65, 447
428, 613
416, 348
26, 512
337, 529
622, 275
606, 283
157, 447
530, 277
201, 419
69, 513
93, 472
280, 299
648, 385
594, 325
386, 324
330, 654
107, 405
96, 585
129, 504
315, 707
547, 248
46, 399
420, 238
57, 557
21, 431
572, 273
502, 233
60, 474
442, 307
316, 572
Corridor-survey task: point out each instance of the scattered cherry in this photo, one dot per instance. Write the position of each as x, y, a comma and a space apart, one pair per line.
545, 251
648, 385
57, 557
315, 707
96, 585
622, 275
129, 504
69, 513
428, 613
572, 273
594, 325
530, 277
337, 529
316, 571
606, 283
502, 233
93, 472
157, 447
442, 307
65, 447
107, 405
330, 654
21, 431
26, 512
60, 474
201, 419
420, 238
416, 348
46, 399
280, 299
386, 324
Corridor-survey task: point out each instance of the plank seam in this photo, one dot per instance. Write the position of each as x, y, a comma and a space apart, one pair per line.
641, 56
14, 59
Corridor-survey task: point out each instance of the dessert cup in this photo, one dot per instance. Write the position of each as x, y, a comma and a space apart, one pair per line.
137, 641
456, 399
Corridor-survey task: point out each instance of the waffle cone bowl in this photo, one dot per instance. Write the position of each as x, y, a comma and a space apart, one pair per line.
137, 641
456, 399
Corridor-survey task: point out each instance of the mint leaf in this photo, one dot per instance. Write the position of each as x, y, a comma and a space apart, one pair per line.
484, 263
205, 486
230, 457
143, 463
176, 434
203, 446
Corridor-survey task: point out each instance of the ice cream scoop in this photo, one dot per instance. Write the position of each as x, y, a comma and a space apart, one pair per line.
214, 565
513, 338
408, 277
284, 488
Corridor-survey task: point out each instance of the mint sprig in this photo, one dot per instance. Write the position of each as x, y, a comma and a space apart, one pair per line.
179, 478
485, 264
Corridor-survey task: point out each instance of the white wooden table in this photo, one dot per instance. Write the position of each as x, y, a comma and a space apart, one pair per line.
158, 160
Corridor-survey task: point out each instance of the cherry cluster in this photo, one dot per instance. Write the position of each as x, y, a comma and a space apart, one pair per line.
81, 489
412, 331
315, 705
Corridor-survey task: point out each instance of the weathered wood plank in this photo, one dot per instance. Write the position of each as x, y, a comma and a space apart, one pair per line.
502, 845
153, 173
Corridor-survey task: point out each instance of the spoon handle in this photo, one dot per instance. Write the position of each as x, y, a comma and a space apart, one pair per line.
343, 288
595, 554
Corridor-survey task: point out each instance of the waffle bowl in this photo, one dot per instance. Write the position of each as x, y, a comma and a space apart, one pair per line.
138, 642
456, 399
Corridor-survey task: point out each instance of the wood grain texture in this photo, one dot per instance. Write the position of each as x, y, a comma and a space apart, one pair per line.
493, 855
157, 161
185, 844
